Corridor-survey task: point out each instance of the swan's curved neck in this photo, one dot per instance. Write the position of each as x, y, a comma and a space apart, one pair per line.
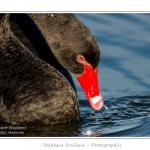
53, 27
41, 46
62, 33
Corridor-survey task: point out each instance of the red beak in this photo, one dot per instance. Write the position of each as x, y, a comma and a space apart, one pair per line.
89, 82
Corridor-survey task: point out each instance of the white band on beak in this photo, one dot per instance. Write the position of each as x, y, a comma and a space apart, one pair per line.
96, 99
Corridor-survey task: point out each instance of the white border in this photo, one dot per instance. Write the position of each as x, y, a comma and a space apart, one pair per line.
72, 143
74, 5
78, 6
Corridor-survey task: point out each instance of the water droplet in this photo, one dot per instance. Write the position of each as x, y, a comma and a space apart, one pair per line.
105, 107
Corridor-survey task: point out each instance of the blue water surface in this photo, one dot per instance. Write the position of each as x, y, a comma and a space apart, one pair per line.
124, 74
124, 40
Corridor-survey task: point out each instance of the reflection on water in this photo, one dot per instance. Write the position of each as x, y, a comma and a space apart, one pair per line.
124, 78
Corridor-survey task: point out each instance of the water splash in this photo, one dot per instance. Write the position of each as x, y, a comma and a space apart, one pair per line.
87, 133
105, 107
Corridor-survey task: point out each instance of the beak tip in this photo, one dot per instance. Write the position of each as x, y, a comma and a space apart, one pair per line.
98, 105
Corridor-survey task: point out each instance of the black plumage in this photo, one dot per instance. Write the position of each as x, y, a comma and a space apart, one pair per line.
32, 87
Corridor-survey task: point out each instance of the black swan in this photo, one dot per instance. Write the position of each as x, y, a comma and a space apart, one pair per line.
32, 88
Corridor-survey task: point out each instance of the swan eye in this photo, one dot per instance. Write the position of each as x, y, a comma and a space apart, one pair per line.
81, 58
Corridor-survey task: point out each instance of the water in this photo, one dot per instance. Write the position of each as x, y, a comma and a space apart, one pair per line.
124, 74
124, 79
105, 106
